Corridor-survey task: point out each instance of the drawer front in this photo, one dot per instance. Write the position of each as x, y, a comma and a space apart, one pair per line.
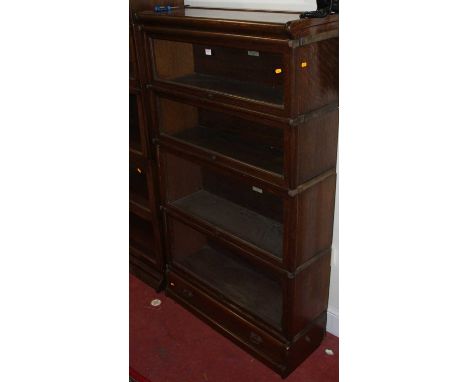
230, 323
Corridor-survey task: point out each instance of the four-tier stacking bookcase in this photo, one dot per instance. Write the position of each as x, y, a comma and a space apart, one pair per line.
243, 125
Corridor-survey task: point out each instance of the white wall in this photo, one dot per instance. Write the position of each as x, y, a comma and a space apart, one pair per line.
293, 5
333, 303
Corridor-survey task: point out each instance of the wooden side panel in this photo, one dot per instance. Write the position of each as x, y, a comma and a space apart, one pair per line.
177, 187
146, 274
317, 82
307, 343
317, 144
192, 241
315, 219
172, 59
175, 117
310, 296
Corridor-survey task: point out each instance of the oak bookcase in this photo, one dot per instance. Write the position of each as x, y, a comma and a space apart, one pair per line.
233, 170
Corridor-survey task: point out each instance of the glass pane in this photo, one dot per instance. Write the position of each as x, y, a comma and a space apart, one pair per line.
249, 142
135, 138
242, 209
138, 184
132, 57
142, 235
239, 72
247, 286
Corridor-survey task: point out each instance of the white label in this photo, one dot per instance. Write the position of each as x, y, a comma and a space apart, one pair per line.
253, 53
256, 189
208, 52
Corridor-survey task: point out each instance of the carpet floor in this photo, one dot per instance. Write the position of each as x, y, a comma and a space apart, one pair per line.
168, 344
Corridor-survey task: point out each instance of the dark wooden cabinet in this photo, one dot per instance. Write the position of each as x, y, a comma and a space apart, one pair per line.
241, 114
145, 222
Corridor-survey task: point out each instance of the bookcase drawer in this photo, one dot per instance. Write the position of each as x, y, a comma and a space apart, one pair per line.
225, 320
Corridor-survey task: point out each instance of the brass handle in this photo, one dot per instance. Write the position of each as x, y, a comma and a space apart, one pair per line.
255, 338
187, 293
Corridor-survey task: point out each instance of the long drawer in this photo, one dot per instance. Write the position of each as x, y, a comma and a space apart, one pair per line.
252, 338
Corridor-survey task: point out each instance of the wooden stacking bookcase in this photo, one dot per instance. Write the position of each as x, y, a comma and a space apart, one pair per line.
243, 121
146, 251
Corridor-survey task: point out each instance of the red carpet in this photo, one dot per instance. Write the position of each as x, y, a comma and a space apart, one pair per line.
168, 344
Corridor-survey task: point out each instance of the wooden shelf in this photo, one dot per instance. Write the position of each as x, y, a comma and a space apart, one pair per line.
248, 225
238, 282
243, 89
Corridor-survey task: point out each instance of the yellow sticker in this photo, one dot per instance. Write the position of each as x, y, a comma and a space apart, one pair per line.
304, 65
278, 71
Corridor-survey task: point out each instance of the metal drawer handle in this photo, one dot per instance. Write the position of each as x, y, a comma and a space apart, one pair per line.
255, 338
187, 293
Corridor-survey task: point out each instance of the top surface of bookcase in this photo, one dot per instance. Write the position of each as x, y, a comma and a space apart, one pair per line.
238, 15
286, 23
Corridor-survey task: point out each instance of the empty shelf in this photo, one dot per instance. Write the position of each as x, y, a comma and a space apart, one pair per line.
248, 225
